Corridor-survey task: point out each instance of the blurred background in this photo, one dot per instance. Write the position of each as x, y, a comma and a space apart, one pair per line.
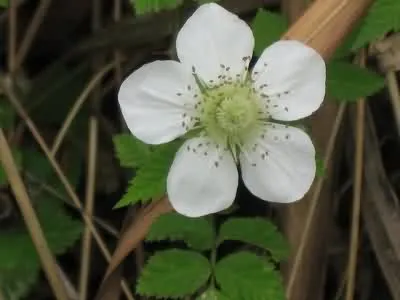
61, 64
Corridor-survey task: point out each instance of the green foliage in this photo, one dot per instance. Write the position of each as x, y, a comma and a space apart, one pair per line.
16, 284
130, 151
321, 169
212, 294
244, 275
19, 263
147, 6
151, 178
267, 28
349, 82
50, 103
18, 159
4, 3
174, 274
206, 1
255, 231
197, 233
7, 114
383, 16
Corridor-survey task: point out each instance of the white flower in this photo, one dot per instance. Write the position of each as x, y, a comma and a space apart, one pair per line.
233, 110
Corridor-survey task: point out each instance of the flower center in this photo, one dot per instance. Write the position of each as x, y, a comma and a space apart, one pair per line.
234, 114
230, 112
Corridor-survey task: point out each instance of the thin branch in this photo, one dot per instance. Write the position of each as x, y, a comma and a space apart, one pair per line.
91, 166
2, 297
77, 105
31, 31
54, 192
60, 174
89, 203
12, 36
31, 220
358, 178
313, 204
394, 92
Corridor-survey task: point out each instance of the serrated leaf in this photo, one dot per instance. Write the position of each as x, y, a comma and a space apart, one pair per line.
130, 151
348, 82
19, 262
383, 16
174, 274
150, 180
60, 230
244, 275
197, 233
255, 231
15, 285
267, 28
148, 6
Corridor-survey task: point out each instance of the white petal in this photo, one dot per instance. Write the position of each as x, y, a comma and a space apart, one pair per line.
156, 100
280, 165
291, 78
215, 42
203, 178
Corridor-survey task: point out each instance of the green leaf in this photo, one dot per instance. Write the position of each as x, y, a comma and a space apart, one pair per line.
151, 179
212, 294
19, 262
321, 169
174, 274
18, 160
267, 28
130, 151
255, 231
244, 275
7, 113
4, 3
206, 1
348, 82
383, 16
60, 230
197, 233
54, 91
148, 6
17, 284
37, 165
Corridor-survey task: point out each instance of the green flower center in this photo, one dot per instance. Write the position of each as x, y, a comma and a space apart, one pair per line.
230, 112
